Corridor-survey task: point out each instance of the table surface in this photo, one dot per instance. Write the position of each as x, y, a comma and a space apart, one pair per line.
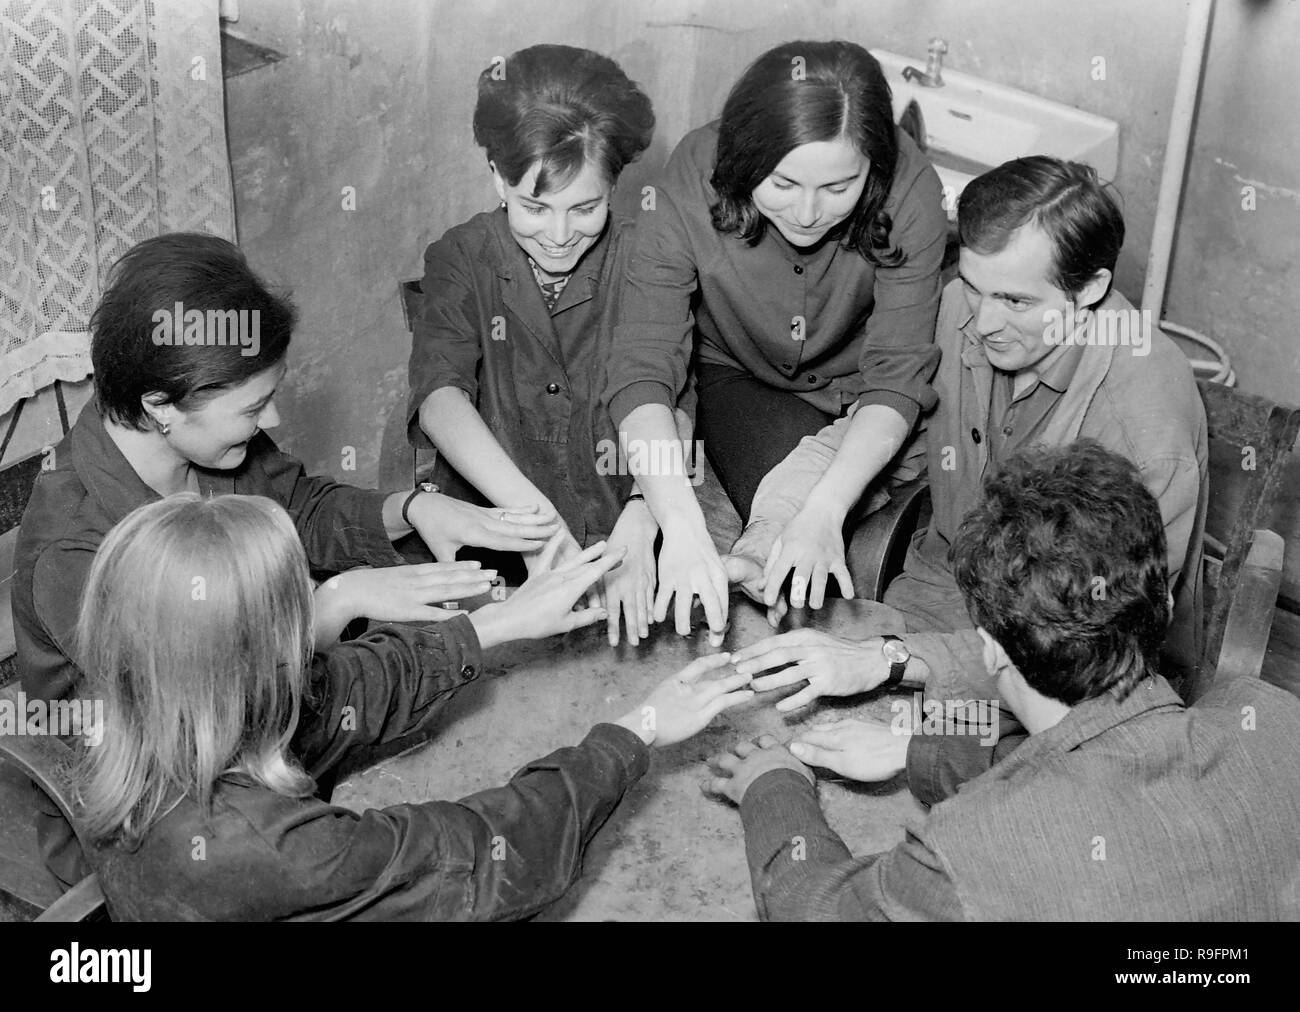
669, 852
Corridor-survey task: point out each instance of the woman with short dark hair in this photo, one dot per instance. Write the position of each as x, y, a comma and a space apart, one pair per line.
794, 248
188, 347
510, 349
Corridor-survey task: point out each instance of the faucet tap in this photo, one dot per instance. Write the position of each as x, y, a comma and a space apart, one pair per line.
932, 77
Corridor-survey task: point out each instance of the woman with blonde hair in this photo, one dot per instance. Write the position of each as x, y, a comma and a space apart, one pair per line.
195, 630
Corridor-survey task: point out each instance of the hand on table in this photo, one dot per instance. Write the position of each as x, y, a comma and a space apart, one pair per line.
812, 547
447, 524
689, 567
832, 665
682, 704
543, 606
630, 588
746, 762
857, 749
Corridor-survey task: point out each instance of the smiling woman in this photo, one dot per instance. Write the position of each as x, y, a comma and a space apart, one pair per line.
830, 309
170, 418
511, 348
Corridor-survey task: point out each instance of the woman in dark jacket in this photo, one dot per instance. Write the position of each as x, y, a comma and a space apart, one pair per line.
217, 718
793, 247
188, 347
510, 348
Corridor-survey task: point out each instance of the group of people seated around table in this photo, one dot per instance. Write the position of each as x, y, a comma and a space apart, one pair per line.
253, 630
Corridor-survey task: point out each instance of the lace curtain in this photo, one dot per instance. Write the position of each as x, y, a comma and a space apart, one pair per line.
111, 131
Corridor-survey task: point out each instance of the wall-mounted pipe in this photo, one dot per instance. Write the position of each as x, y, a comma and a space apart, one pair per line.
1175, 163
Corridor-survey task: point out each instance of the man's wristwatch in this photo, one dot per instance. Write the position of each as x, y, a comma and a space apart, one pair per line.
424, 486
896, 652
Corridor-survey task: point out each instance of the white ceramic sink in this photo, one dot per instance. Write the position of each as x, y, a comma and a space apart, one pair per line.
972, 125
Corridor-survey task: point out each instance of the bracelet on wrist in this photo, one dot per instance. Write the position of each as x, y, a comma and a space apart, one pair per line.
424, 486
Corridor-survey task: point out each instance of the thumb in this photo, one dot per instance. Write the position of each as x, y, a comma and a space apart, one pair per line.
443, 551
812, 754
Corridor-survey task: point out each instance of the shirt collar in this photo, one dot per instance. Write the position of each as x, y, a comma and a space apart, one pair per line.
104, 472
1094, 717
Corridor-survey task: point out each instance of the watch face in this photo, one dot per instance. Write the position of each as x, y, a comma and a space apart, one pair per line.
895, 652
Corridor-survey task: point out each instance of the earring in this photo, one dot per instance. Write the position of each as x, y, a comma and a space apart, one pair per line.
503, 203
165, 428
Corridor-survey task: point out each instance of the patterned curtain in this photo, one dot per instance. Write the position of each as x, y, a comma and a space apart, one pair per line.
111, 131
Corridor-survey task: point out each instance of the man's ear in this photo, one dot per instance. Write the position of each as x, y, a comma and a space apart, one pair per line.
1094, 291
995, 658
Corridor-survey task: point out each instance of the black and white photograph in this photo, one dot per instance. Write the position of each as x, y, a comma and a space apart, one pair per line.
650, 461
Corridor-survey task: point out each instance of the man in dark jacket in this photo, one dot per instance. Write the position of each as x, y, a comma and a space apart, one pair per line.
1122, 803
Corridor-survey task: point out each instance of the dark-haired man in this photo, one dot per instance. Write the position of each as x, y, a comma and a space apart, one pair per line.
1122, 804
1037, 348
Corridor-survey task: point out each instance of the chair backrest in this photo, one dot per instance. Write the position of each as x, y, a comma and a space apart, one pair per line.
1249, 439
412, 294
16, 483
403, 466
50, 764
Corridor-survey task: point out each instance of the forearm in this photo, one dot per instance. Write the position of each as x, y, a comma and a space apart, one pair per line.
451, 421
655, 451
874, 435
786, 488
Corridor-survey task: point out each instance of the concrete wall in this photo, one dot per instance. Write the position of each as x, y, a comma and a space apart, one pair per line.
377, 94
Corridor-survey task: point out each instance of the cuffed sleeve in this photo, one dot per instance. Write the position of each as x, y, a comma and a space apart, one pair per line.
340, 526
653, 338
898, 357
445, 341
382, 687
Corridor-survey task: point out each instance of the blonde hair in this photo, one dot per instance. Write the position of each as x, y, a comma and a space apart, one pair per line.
195, 630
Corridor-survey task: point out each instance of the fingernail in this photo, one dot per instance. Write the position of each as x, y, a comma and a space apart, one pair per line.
797, 749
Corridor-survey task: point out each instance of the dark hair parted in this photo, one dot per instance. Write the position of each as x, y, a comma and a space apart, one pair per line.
1065, 199
1063, 563
195, 272
801, 93
562, 107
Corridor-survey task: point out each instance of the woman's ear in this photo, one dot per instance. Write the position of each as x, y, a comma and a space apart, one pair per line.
159, 409
499, 182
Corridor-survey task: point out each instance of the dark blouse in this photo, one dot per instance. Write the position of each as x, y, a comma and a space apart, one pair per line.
92, 487
826, 324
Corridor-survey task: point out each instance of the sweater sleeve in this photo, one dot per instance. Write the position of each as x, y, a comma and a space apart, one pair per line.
801, 869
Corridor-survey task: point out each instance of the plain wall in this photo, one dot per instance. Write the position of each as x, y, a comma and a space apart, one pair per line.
378, 95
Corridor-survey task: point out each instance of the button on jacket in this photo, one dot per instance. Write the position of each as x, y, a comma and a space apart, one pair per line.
826, 324
92, 487
534, 376
1143, 407
270, 857
1136, 810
